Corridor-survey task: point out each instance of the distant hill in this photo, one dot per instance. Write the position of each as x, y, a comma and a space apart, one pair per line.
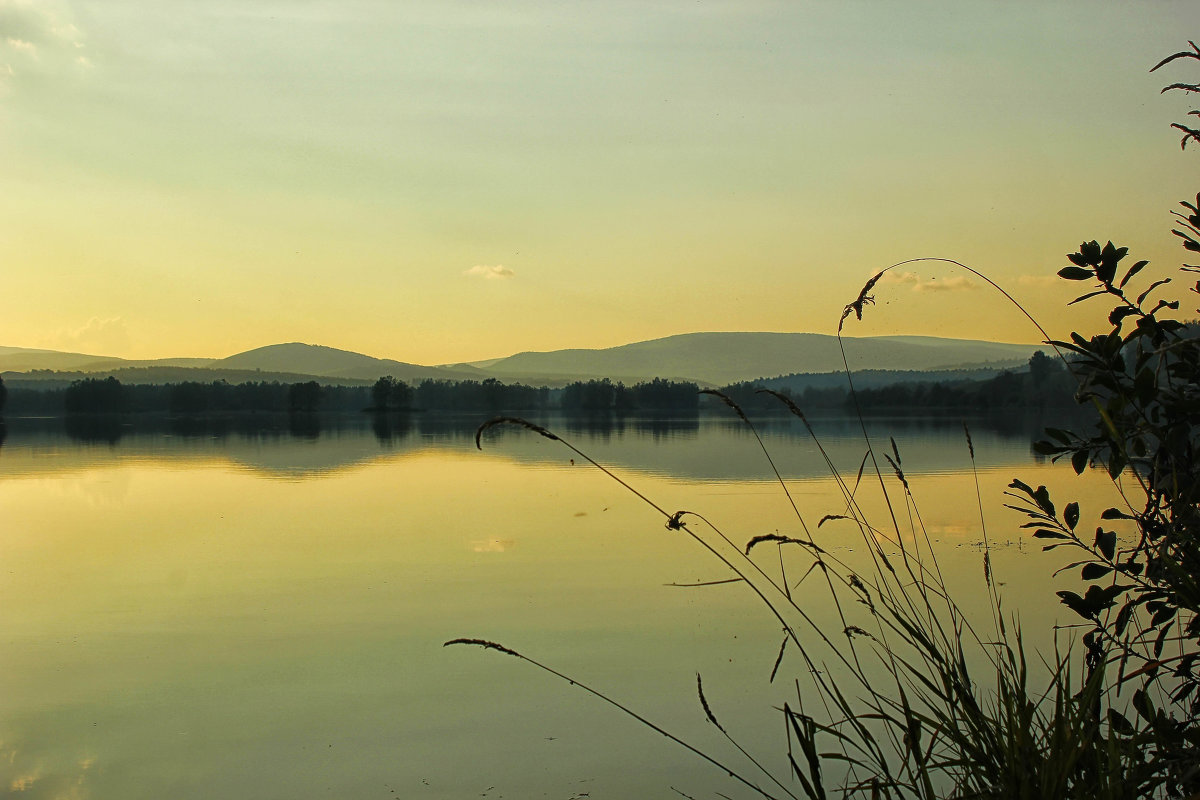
24, 359
713, 359
279, 362
722, 358
312, 359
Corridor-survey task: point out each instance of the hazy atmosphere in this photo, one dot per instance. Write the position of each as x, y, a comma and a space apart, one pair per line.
437, 399
437, 182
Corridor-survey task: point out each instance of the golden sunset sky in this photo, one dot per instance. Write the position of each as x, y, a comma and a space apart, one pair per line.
448, 181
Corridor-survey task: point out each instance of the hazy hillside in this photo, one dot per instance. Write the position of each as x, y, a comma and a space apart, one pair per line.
292, 361
24, 359
709, 358
311, 359
722, 358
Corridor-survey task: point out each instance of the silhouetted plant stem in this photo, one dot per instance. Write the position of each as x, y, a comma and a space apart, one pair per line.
615, 704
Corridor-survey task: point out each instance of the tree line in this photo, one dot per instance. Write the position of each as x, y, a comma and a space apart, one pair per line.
1044, 385
388, 394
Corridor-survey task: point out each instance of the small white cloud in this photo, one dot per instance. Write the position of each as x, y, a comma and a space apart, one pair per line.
492, 545
38, 39
495, 272
38, 21
919, 284
900, 277
98, 336
954, 284
21, 46
68, 33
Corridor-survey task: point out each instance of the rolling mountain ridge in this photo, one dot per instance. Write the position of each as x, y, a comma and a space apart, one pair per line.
722, 358
329, 362
707, 358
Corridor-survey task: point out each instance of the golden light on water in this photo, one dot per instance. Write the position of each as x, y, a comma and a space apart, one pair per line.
180, 622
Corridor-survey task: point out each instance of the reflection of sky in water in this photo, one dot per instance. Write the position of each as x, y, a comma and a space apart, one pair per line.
493, 545
712, 448
44, 773
177, 627
99, 487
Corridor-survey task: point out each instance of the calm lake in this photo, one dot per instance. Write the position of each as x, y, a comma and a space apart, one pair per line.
257, 609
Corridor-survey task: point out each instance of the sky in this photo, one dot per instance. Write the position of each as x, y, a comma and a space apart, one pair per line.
444, 181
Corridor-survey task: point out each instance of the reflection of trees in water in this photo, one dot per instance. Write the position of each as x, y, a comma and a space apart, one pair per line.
448, 426
594, 425
603, 426
668, 428
1034, 424
394, 428
304, 425
390, 428
702, 446
106, 428
200, 427
1009, 424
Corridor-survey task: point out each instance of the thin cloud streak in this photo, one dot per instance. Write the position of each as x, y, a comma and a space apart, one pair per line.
494, 272
102, 336
952, 284
38, 39
1039, 280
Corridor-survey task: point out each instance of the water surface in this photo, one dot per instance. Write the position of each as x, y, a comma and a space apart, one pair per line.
256, 609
